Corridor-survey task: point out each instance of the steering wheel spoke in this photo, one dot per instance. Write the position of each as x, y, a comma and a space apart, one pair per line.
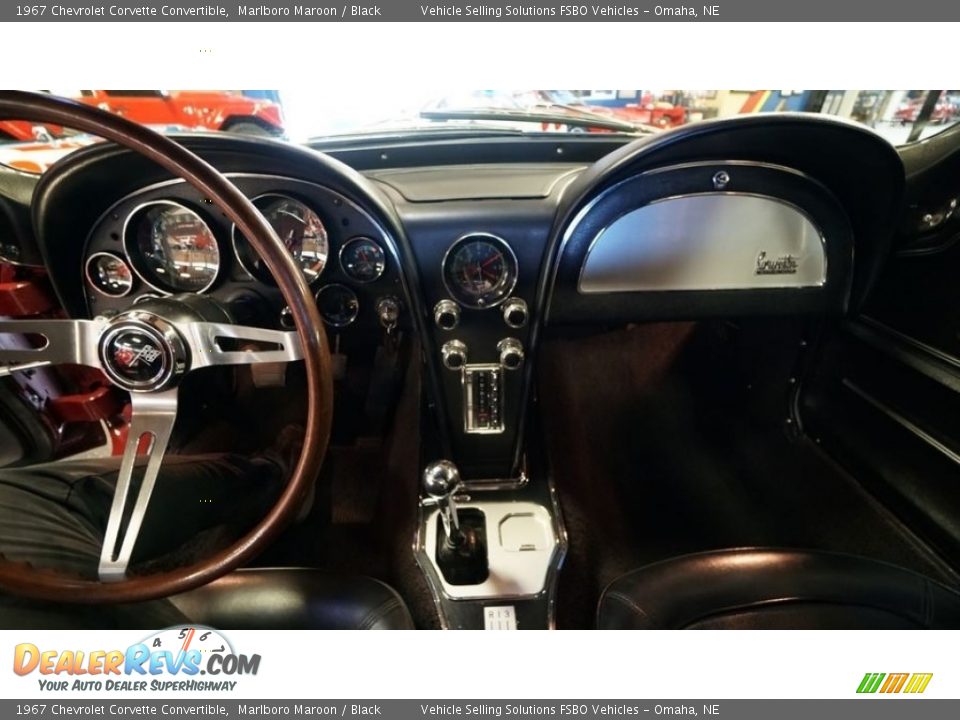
26, 344
225, 344
151, 423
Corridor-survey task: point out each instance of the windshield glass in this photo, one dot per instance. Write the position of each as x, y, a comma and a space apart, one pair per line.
298, 115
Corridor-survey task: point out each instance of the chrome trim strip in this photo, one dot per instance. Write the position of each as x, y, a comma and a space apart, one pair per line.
487, 485
906, 424
943, 357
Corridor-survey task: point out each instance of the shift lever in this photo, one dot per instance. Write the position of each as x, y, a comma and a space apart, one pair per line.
441, 480
461, 541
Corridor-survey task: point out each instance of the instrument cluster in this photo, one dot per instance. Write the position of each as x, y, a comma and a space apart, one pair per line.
167, 240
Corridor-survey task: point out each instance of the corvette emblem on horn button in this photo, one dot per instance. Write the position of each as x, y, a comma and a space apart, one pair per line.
135, 355
142, 352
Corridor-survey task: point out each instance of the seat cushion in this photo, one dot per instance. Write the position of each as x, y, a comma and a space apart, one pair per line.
776, 588
252, 599
294, 599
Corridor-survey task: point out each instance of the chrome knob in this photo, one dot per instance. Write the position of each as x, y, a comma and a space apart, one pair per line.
388, 310
511, 353
454, 354
515, 312
441, 480
446, 314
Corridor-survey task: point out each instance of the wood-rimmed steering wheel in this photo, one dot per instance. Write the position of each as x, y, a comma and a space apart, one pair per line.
147, 351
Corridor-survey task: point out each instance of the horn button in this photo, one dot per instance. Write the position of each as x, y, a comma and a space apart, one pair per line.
142, 352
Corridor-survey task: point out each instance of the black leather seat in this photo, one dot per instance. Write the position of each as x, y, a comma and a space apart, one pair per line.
776, 589
292, 599
250, 599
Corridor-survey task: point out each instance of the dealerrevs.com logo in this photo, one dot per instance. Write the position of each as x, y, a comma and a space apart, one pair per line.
175, 659
893, 683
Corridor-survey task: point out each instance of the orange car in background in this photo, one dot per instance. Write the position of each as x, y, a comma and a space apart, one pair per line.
194, 109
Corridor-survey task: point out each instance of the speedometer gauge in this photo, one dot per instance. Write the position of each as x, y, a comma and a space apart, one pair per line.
172, 248
301, 230
480, 270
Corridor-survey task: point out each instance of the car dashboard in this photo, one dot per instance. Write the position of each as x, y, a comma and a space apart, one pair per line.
478, 247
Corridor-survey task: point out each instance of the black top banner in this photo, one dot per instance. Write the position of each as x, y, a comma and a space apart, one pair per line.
466, 11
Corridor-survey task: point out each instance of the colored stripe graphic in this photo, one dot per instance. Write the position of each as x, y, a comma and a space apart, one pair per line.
894, 683
918, 682
870, 682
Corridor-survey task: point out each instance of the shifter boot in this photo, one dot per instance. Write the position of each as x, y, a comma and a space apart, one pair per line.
464, 563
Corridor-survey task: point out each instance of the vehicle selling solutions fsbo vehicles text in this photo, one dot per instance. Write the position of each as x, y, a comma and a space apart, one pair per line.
570, 11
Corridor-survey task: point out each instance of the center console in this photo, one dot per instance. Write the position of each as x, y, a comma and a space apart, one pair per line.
491, 556
490, 539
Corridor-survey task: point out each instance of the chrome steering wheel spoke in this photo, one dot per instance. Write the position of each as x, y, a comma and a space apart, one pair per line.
27, 344
151, 423
225, 344
145, 354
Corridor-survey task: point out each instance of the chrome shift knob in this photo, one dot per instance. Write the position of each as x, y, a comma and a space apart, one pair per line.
441, 480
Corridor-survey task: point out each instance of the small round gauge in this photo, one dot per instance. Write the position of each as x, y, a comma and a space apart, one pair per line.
362, 260
338, 305
480, 271
109, 274
172, 248
301, 230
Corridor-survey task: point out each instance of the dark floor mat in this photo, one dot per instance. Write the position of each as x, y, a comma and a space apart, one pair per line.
647, 468
365, 512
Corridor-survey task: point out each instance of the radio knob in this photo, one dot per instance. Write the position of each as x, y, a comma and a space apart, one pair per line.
515, 312
446, 314
511, 353
454, 354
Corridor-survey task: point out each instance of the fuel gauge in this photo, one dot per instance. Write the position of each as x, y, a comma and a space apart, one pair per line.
338, 305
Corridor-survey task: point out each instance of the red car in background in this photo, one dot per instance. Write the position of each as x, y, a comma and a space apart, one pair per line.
909, 111
193, 109
645, 112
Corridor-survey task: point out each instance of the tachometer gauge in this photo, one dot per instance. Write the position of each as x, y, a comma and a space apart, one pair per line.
362, 260
109, 274
172, 248
301, 230
338, 305
480, 270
